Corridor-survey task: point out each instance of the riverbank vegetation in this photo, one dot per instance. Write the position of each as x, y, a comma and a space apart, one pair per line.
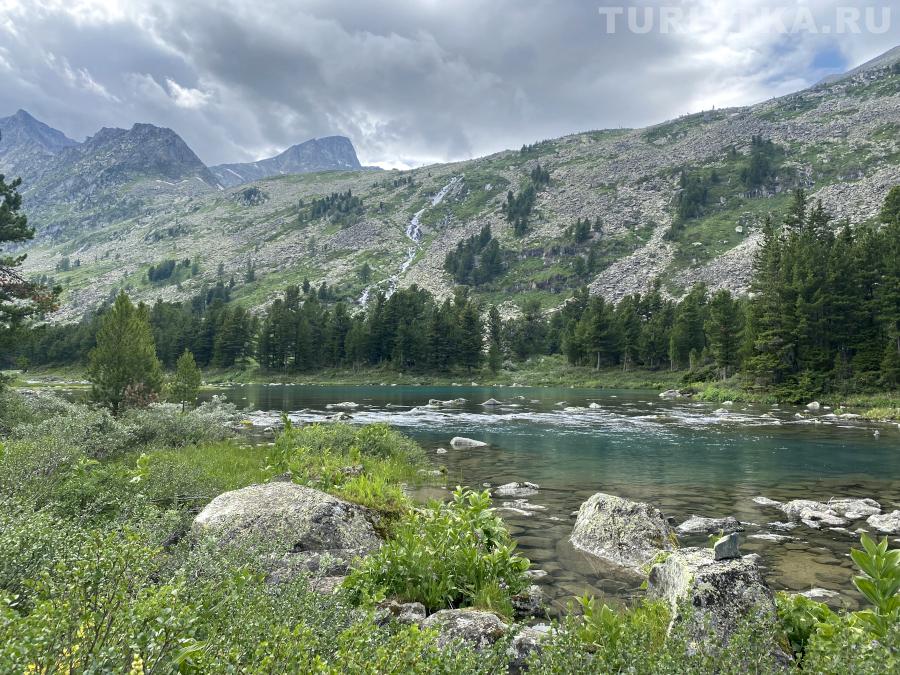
99, 571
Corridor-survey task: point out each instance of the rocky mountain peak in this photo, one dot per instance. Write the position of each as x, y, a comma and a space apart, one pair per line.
332, 153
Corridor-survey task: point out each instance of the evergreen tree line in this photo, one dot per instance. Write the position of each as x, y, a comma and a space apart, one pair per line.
344, 208
476, 260
823, 315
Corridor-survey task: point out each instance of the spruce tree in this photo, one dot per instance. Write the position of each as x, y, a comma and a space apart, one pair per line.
495, 353
123, 365
723, 331
186, 383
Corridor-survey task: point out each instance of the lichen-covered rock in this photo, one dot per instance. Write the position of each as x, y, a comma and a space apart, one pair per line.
621, 531
401, 612
701, 525
475, 627
889, 523
712, 598
727, 547
529, 602
525, 643
294, 526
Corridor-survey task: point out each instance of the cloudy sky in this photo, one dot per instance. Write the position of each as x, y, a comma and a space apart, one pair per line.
418, 81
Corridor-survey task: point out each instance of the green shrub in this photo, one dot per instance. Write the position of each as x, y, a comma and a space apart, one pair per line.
801, 617
446, 555
364, 465
879, 583
166, 425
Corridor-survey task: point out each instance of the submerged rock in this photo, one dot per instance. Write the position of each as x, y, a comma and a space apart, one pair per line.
889, 523
295, 527
701, 525
476, 628
594, 406
765, 501
525, 489
437, 403
491, 402
624, 532
719, 594
463, 442
339, 417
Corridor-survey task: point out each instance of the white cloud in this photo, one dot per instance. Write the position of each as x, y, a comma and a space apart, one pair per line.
409, 83
186, 97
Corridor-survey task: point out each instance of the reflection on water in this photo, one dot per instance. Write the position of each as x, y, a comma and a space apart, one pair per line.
684, 457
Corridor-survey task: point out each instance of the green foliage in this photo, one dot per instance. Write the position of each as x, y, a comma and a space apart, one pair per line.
186, 383
457, 554
879, 583
365, 465
801, 618
343, 208
124, 368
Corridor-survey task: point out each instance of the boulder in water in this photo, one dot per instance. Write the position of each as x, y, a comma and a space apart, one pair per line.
463, 442
701, 525
621, 531
889, 523
346, 405
525, 489
491, 402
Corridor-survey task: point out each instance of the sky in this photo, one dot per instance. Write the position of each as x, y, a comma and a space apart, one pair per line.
414, 82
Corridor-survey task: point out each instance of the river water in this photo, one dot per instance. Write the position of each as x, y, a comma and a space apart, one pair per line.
684, 457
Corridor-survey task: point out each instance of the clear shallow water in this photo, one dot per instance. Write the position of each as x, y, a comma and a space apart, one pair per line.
684, 457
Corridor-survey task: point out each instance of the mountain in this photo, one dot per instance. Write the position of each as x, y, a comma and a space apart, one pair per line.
333, 153
111, 176
889, 58
679, 202
27, 145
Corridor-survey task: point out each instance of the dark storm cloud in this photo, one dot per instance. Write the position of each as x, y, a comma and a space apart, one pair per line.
408, 82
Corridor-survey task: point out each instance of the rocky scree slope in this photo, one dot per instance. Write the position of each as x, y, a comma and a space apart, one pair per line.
840, 141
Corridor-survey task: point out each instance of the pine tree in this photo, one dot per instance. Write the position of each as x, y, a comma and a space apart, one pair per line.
495, 327
19, 299
123, 365
723, 331
186, 383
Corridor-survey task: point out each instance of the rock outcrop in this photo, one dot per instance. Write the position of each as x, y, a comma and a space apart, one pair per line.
711, 599
477, 628
294, 527
621, 531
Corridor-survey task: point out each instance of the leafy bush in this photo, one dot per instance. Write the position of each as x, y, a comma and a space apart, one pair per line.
164, 424
457, 554
801, 617
879, 583
365, 465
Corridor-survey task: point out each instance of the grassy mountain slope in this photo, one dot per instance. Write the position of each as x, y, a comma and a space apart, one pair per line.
838, 140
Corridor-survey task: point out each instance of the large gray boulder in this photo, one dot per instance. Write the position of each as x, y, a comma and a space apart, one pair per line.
621, 531
293, 526
463, 442
476, 628
712, 598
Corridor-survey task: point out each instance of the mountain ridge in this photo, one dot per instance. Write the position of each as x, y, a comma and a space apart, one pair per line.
317, 154
839, 141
